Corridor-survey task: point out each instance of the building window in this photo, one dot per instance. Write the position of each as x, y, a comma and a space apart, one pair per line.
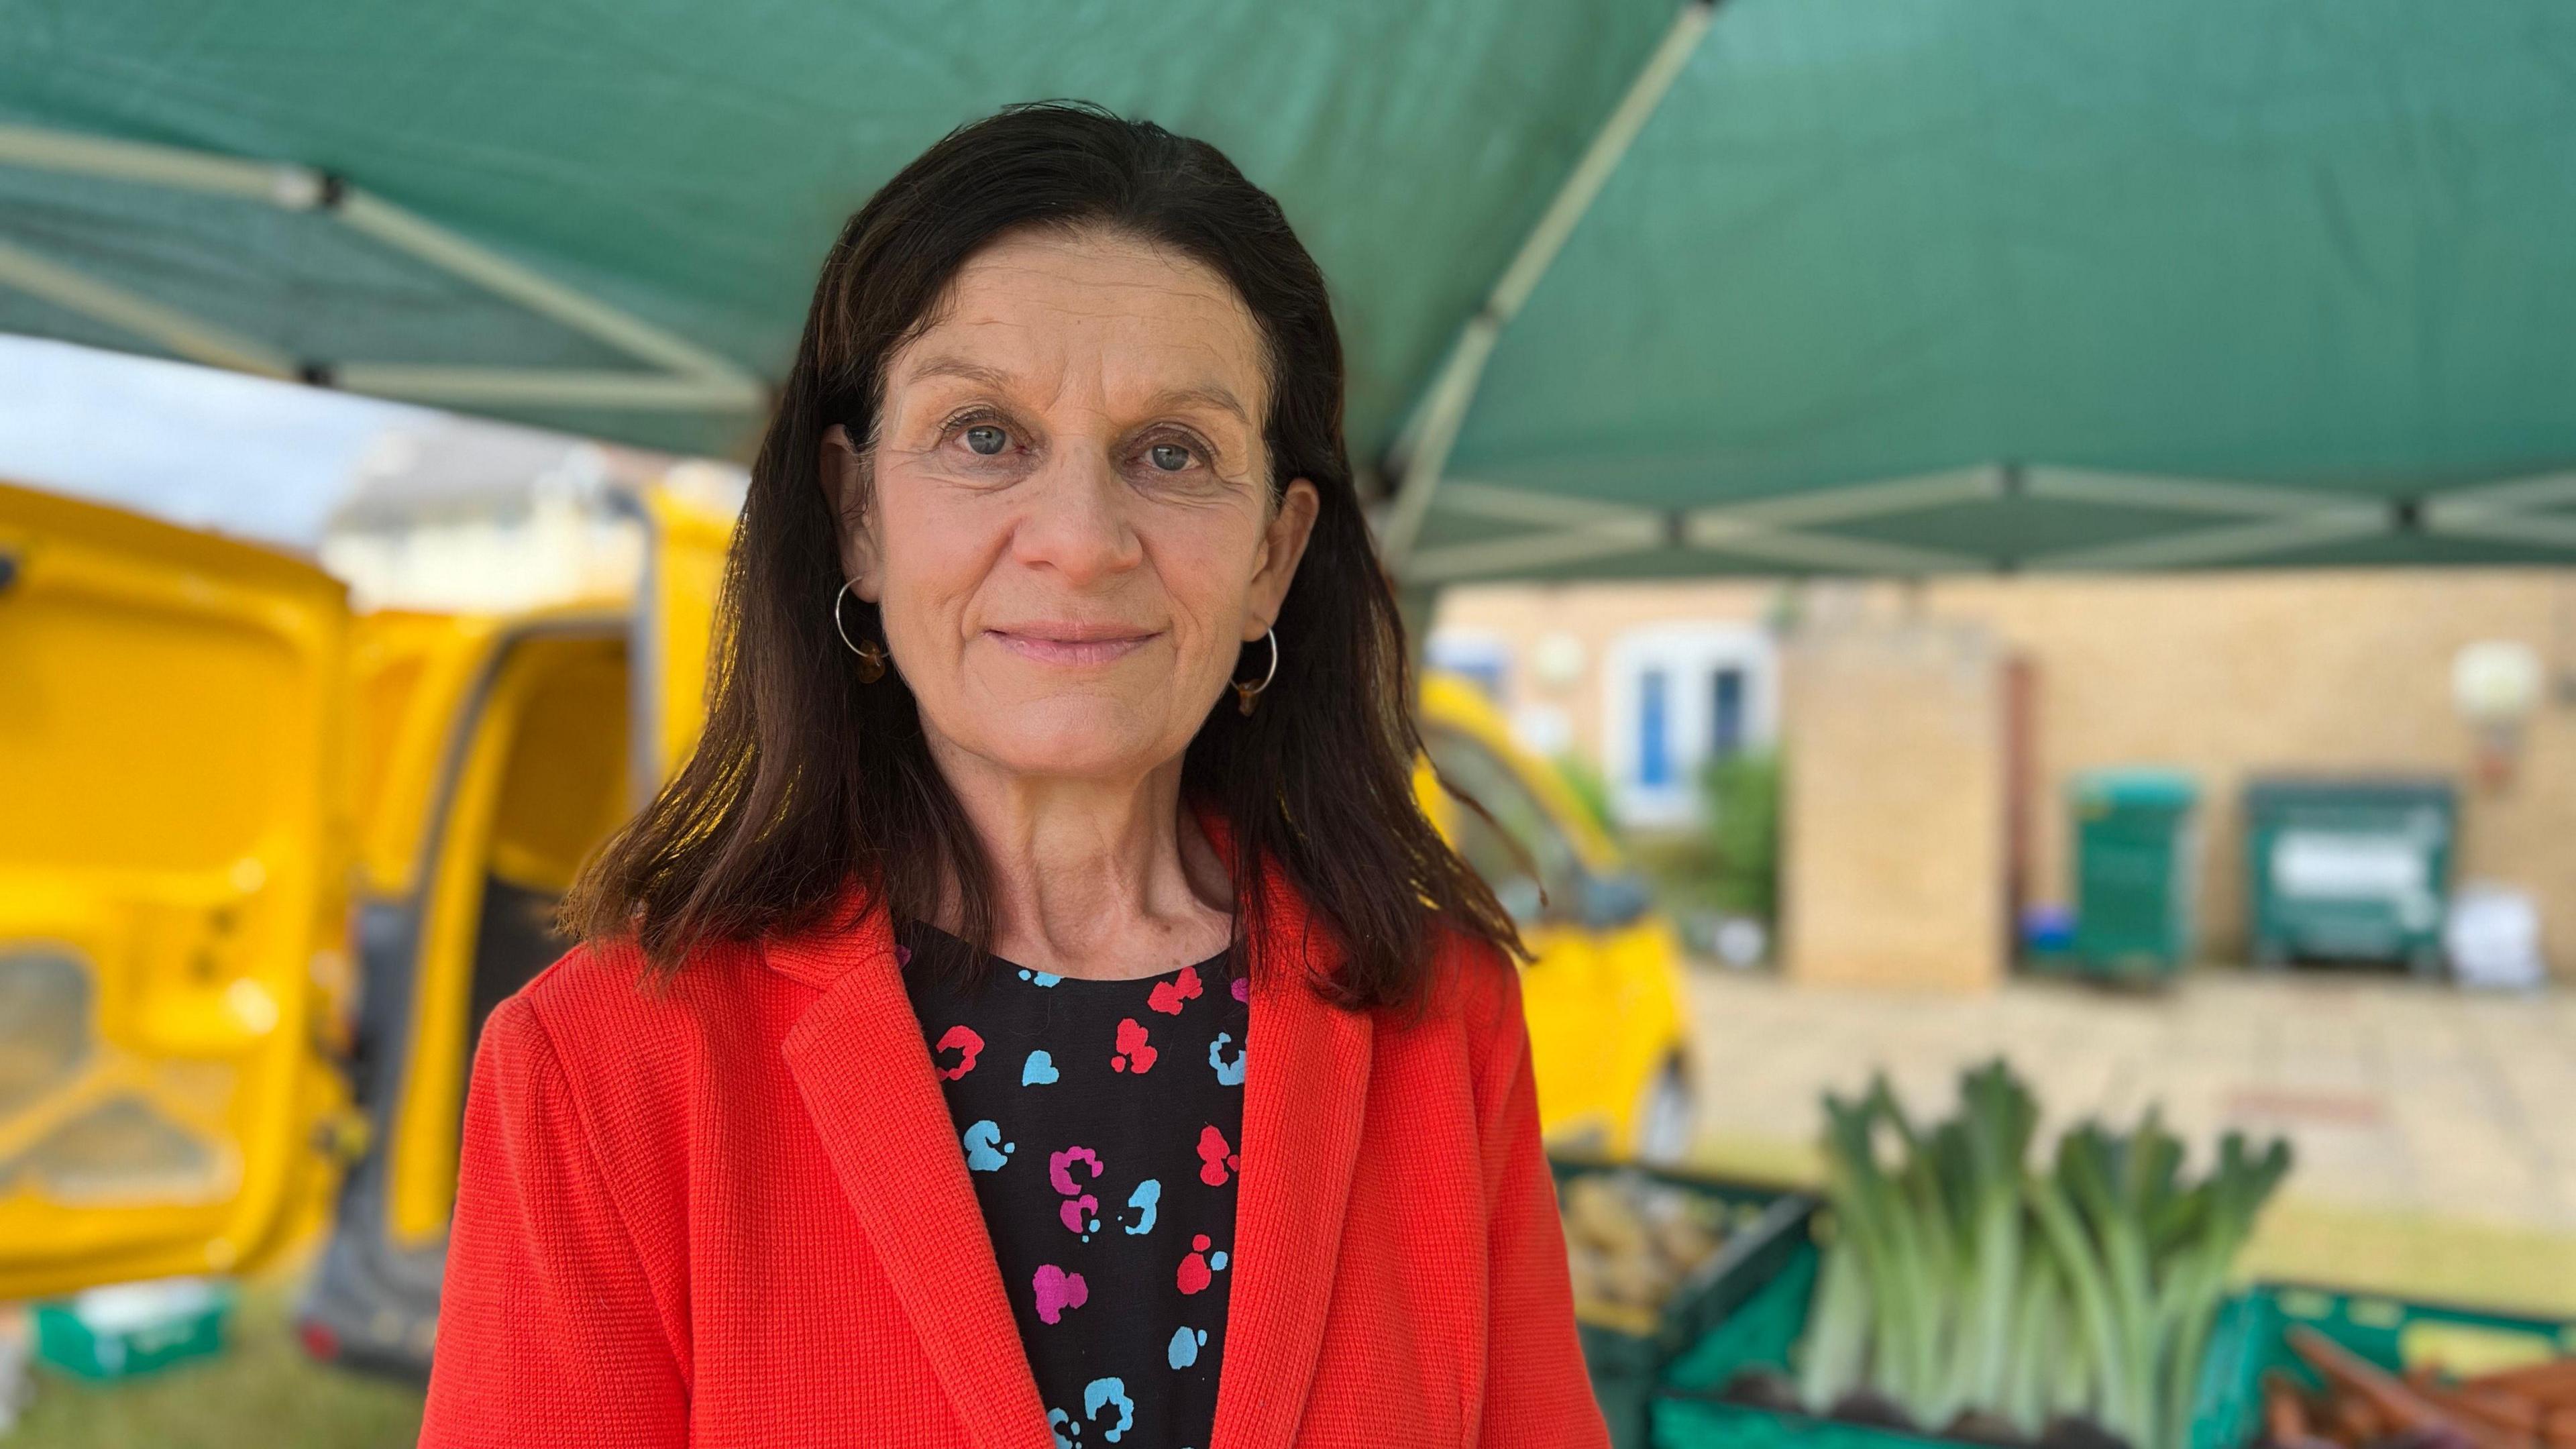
1726, 713
1678, 695
1654, 737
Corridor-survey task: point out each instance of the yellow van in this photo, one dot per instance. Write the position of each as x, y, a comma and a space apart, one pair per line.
281, 862
1609, 1033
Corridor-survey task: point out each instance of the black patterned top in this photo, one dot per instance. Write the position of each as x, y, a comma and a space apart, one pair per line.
1100, 1122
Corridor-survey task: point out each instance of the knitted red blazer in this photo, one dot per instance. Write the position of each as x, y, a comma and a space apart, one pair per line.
732, 1211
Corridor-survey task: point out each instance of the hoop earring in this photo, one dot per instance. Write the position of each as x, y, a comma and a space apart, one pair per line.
872, 655
1244, 693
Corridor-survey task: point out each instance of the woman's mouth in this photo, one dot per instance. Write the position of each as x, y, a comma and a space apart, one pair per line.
1071, 644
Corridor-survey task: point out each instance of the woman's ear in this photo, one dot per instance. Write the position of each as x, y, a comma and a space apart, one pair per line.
1283, 544
843, 471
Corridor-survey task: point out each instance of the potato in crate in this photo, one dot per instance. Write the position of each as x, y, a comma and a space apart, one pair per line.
1659, 1258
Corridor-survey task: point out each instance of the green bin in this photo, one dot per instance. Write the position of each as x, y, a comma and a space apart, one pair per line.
1626, 1367
2349, 869
2136, 862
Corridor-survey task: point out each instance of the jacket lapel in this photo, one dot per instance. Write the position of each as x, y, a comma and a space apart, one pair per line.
1305, 1094
860, 1063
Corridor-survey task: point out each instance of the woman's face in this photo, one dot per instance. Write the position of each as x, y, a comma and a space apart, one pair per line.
1069, 530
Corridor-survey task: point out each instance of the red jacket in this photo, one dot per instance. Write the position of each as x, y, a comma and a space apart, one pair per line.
733, 1211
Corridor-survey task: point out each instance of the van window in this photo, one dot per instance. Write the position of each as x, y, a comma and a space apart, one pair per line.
1490, 780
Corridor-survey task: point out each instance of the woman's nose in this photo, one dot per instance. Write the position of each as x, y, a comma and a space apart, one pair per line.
1077, 521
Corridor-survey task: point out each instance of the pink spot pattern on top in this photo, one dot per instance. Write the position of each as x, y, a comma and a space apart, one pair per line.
1058, 1290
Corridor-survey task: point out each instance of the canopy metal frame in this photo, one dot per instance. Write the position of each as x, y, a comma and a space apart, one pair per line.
1774, 534
676, 375
1421, 452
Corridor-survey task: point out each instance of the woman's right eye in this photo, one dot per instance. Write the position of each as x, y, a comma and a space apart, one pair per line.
986, 439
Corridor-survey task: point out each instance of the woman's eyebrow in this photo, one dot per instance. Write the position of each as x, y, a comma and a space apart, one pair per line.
1208, 394
959, 367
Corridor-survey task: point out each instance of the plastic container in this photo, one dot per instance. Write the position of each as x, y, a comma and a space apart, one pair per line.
2047, 935
2251, 1340
1627, 1361
1762, 1332
127, 1329
2492, 935
2136, 861
2349, 869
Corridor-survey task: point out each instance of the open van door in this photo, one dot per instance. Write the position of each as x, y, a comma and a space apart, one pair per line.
173, 831
492, 757
496, 752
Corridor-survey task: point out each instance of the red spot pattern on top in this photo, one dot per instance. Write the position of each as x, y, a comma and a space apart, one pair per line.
1215, 1158
1167, 996
1133, 1054
964, 1041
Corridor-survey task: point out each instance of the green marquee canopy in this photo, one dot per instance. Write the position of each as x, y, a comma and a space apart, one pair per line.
1779, 285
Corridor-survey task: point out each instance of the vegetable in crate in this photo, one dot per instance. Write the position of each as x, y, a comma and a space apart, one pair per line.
1630, 1241
1985, 1299
2364, 1406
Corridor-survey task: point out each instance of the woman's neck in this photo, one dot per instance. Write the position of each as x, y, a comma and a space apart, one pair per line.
1095, 879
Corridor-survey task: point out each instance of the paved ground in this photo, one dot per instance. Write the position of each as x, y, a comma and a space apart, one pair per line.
2435, 1129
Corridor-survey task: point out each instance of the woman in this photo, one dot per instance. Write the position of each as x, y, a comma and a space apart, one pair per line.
1039, 1014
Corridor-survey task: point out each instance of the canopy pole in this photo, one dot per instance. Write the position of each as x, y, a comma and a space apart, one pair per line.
2261, 519
442, 385
1444, 408
417, 236
693, 379
2229, 544
296, 188
188, 336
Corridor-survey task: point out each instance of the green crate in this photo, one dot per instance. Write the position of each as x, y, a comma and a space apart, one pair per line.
1762, 1333
1626, 1367
127, 1329
2251, 1339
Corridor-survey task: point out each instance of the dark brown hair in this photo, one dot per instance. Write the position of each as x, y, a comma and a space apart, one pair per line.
805, 776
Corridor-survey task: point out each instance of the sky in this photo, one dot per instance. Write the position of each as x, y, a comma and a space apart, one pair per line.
192, 445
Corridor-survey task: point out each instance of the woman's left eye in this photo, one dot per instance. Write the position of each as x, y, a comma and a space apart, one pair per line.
1169, 457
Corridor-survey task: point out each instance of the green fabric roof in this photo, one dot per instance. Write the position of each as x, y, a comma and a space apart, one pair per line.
2323, 245
1879, 286
689, 162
